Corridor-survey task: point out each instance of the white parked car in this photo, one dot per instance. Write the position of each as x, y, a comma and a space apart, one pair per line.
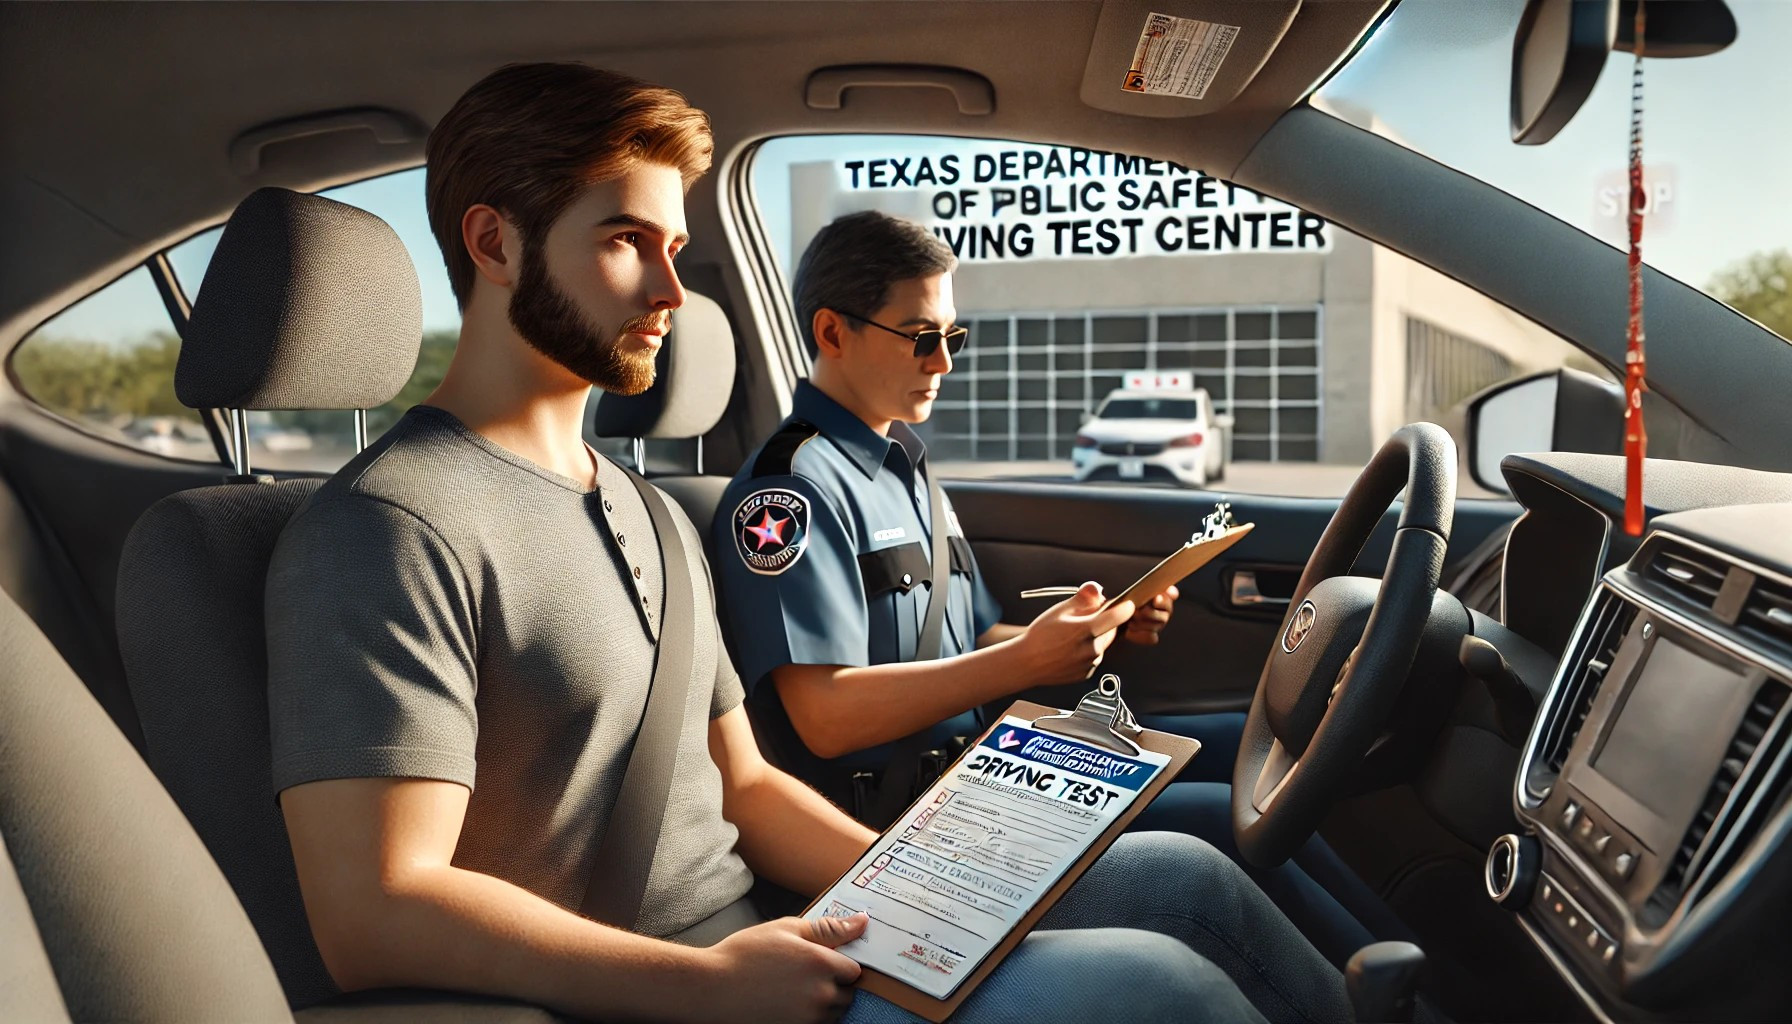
1165, 434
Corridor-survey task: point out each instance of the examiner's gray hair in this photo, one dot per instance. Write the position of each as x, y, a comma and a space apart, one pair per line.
851, 264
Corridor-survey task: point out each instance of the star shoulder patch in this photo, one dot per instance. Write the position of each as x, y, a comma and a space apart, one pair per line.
771, 530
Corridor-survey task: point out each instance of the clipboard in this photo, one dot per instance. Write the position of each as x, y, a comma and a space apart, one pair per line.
1218, 533
1101, 719
1179, 565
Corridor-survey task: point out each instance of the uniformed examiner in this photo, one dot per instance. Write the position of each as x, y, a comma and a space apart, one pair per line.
824, 545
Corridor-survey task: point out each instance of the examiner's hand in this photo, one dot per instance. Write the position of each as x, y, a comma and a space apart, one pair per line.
784, 970
1066, 642
1152, 618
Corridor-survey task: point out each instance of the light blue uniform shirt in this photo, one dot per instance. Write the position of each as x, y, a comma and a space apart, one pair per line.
823, 550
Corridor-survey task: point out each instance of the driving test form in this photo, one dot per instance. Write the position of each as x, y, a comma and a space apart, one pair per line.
948, 882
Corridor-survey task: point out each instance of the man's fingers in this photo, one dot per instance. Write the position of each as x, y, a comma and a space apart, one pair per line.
1112, 618
1088, 596
846, 969
837, 931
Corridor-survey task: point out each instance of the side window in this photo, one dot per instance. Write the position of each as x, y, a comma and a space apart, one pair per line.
107, 364
1090, 277
322, 440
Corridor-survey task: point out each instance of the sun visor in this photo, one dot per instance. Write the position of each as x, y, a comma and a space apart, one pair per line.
1180, 58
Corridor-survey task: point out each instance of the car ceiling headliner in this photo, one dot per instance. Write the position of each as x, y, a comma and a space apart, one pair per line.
120, 116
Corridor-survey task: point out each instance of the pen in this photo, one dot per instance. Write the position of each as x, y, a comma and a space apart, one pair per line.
1048, 592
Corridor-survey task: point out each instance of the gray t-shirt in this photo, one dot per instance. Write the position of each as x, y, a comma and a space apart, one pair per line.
445, 609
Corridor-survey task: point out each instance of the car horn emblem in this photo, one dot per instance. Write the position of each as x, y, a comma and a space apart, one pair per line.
1300, 626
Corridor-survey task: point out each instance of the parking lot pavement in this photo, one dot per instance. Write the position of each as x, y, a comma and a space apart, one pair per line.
1287, 479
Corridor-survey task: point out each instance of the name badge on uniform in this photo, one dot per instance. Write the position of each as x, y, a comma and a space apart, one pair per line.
771, 529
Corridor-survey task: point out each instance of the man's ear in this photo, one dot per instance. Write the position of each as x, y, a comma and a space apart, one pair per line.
828, 327
493, 243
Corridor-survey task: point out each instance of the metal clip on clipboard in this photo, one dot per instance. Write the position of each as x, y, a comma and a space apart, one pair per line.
1101, 718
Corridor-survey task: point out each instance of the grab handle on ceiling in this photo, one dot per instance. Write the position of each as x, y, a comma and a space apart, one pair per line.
827, 86
389, 127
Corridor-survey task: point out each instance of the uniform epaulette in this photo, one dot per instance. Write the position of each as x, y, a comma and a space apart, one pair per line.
780, 449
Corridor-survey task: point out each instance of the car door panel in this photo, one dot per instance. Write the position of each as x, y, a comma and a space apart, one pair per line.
1032, 535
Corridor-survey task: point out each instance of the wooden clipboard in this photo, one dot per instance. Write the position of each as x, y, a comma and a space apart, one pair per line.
1179, 565
1180, 749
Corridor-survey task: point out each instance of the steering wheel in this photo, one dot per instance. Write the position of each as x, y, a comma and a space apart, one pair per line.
1346, 646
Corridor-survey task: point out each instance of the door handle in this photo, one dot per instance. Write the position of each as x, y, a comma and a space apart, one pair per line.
1246, 595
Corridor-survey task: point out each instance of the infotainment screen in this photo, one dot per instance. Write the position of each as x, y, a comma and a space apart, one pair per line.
1676, 722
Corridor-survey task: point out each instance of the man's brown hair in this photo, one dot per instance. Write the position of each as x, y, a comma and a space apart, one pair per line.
528, 138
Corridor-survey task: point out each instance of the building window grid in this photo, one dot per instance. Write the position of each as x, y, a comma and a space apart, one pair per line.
1007, 370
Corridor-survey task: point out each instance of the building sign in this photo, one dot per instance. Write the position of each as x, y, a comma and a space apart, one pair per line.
994, 203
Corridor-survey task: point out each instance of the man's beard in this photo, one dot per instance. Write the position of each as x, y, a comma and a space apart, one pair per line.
545, 317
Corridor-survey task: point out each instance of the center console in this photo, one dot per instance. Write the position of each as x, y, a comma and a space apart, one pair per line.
1654, 791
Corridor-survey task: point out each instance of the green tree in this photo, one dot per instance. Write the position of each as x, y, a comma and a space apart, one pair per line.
99, 381
1760, 286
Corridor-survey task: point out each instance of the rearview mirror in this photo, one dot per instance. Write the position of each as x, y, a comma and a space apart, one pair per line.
1557, 55
1558, 411
1561, 46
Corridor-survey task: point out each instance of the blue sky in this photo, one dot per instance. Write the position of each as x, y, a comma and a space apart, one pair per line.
1435, 77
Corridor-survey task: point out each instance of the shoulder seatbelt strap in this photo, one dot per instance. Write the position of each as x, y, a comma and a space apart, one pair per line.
619, 871
939, 589
893, 791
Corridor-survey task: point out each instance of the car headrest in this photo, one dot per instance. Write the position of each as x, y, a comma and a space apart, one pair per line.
693, 380
307, 304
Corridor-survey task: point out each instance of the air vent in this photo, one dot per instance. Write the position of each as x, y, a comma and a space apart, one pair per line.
1767, 614
1745, 789
1606, 627
1692, 575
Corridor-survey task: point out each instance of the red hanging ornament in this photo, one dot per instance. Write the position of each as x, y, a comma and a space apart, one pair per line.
1636, 441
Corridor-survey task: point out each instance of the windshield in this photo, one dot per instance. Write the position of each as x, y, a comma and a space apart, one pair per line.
1149, 409
1436, 78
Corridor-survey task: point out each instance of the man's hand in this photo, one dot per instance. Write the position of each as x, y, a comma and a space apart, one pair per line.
1151, 619
1066, 642
785, 970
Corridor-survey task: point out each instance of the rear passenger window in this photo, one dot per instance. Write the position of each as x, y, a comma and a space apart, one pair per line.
322, 440
107, 364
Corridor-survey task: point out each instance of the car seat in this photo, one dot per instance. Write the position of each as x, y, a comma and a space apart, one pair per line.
693, 381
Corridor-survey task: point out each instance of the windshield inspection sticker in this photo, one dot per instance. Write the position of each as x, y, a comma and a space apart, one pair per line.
1178, 56
976, 853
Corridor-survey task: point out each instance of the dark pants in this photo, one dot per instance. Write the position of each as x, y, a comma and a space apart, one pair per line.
1336, 911
1162, 928
1326, 900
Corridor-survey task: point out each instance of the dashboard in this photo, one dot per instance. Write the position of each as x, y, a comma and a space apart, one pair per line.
1654, 792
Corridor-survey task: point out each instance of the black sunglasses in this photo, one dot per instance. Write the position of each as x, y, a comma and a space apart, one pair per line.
927, 342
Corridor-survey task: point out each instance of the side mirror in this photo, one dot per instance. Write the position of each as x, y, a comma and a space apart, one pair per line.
1224, 421
1084, 417
1556, 411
